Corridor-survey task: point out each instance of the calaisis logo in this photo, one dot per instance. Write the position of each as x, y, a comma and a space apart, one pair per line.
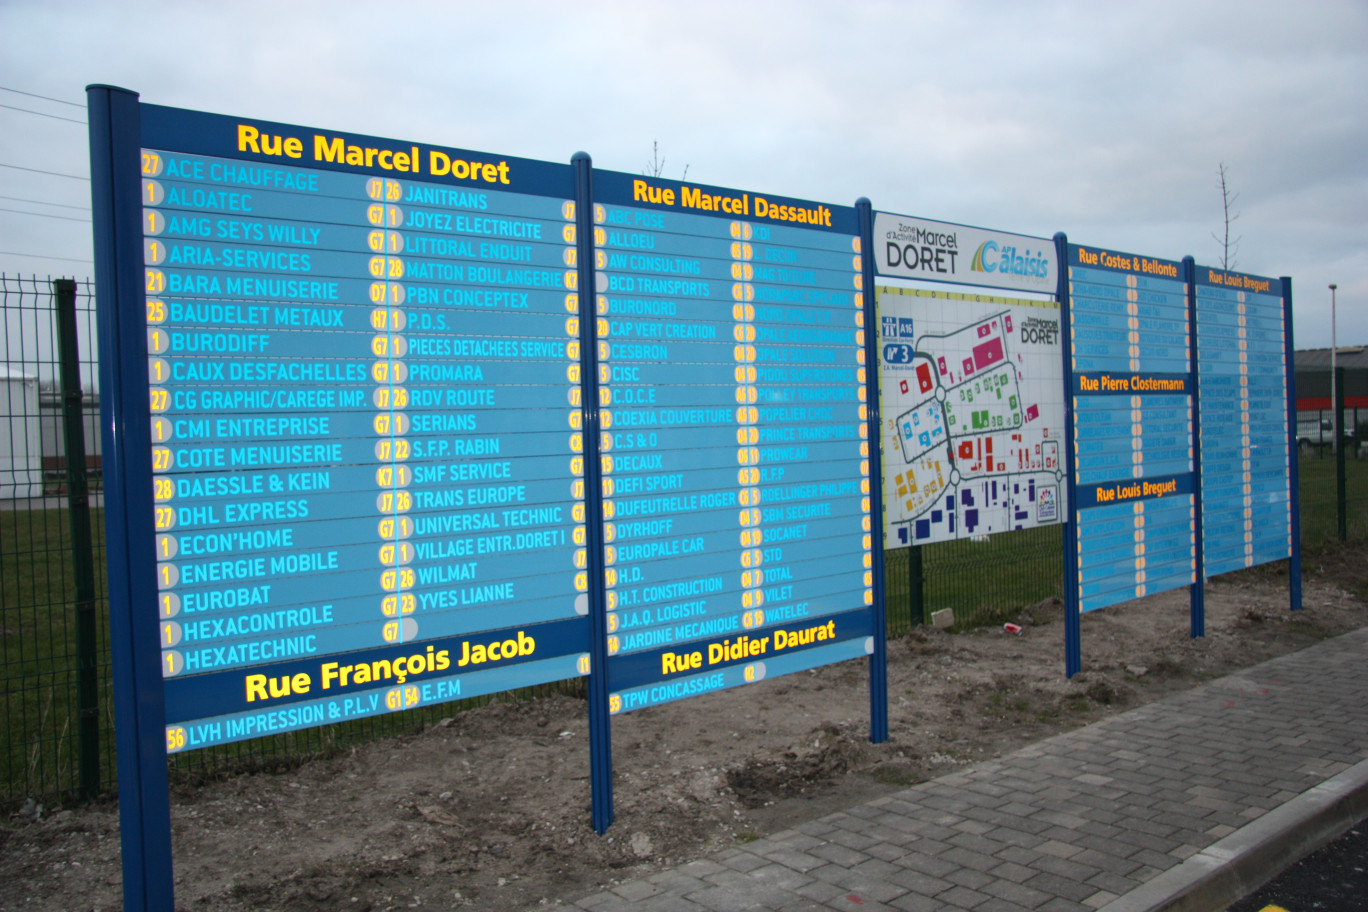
1007, 260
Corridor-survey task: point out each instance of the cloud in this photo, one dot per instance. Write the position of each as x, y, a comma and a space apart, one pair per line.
1105, 120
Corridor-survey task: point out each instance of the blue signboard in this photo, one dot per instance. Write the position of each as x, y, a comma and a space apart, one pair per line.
1132, 456
391, 424
735, 398
362, 370
1247, 505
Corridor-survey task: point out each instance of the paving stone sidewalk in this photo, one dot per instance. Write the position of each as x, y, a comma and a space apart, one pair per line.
1066, 825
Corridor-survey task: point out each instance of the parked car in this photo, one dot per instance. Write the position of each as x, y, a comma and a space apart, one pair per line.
1315, 431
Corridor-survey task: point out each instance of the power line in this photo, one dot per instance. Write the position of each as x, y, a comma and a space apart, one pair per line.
65, 218
42, 256
41, 114
20, 199
41, 171
44, 97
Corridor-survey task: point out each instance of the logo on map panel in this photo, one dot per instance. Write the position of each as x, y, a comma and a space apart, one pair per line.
1047, 505
898, 328
1007, 259
913, 248
974, 416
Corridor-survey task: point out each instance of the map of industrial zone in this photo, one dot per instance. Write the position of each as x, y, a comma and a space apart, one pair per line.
973, 407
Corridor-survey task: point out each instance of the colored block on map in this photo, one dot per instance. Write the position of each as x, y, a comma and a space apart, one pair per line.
987, 354
924, 381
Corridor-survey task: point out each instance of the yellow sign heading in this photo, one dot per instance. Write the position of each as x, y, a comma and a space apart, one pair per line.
759, 207
1133, 490
744, 647
1127, 262
259, 687
336, 150
1106, 383
1237, 280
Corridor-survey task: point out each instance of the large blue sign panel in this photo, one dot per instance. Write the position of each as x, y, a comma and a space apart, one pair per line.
735, 453
364, 391
1242, 376
1132, 401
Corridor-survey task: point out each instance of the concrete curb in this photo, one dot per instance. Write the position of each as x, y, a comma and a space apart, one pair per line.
1246, 859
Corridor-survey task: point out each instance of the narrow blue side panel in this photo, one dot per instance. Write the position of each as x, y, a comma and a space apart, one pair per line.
1197, 591
600, 723
1073, 652
1294, 567
144, 801
878, 661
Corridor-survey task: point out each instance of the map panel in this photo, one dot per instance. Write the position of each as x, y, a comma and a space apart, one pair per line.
972, 401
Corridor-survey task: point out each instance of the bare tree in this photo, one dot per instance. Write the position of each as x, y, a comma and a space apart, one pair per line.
1228, 247
656, 166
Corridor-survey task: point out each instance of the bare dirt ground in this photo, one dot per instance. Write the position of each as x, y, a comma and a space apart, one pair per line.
490, 809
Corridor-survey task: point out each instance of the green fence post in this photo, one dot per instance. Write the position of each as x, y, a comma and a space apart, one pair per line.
1341, 504
915, 581
82, 545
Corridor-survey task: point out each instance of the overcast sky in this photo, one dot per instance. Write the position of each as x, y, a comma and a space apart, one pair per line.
1106, 120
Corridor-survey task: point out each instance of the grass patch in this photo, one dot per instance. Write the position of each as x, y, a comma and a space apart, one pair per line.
1026, 567
1077, 703
1319, 498
1306, 627
38, 659
899, 775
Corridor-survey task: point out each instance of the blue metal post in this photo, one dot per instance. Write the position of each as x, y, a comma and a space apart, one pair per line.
600, 728
140, 729
1294, 564
878, 661
1196, 591
1073, 650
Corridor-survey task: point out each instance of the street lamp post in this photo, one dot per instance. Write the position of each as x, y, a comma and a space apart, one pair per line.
1341, 513
1334, 416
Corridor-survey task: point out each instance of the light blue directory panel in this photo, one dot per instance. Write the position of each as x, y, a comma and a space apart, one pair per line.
1242, 372
735, 451
363, 385
1132, 409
